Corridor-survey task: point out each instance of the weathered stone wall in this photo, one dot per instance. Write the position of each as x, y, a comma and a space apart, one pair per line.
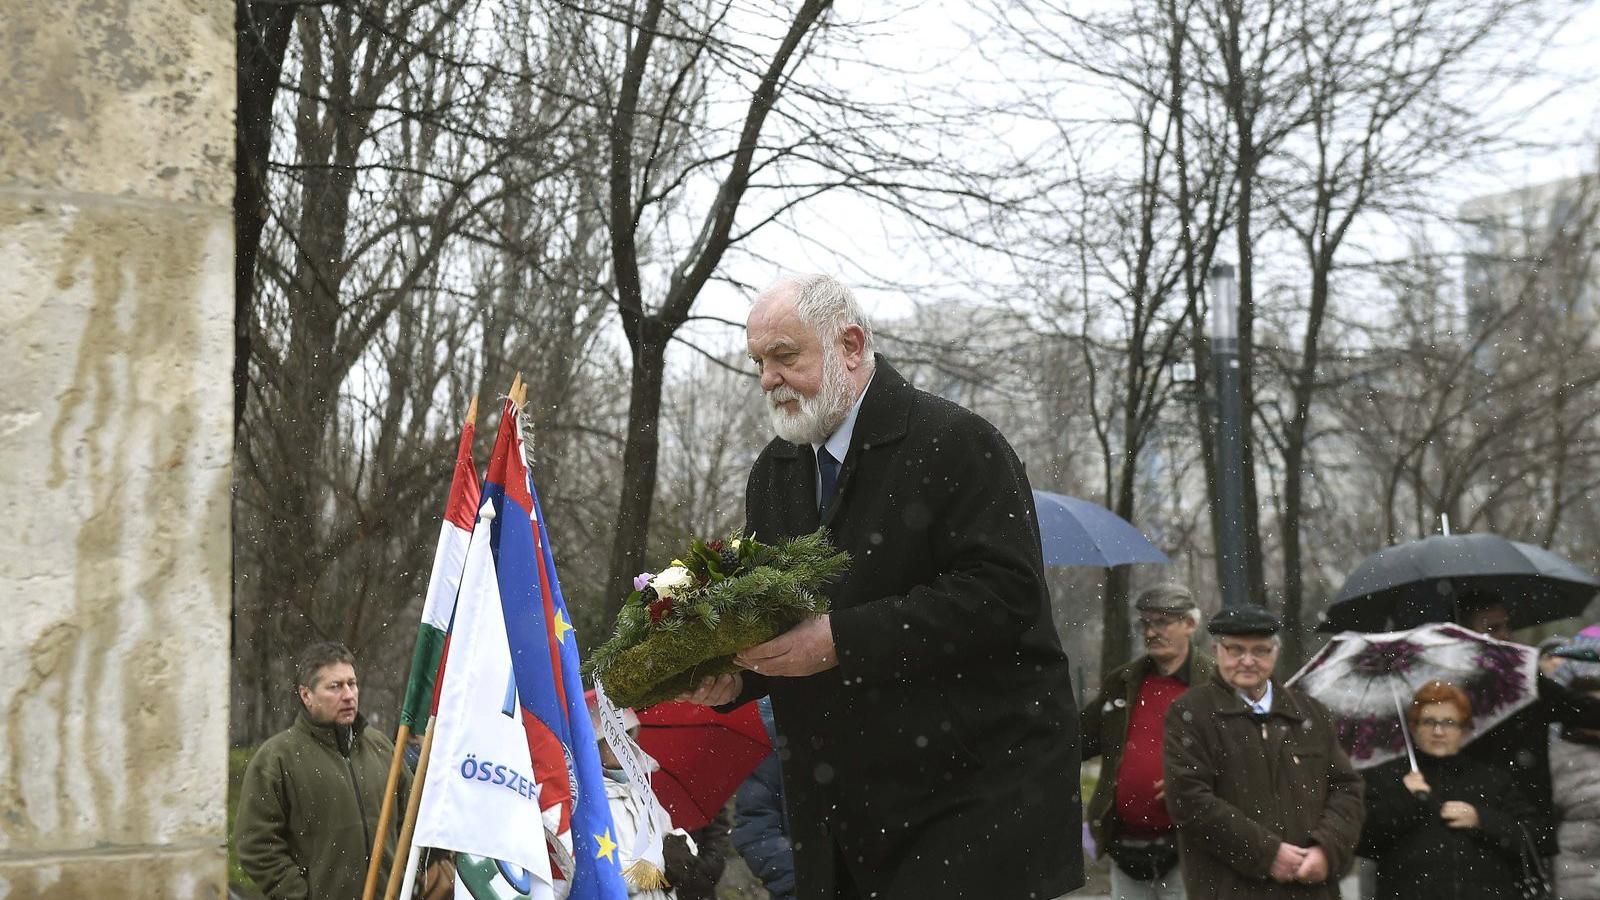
116, 305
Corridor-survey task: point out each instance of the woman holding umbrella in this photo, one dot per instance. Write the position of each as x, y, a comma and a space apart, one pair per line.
1447, 825
1493, 586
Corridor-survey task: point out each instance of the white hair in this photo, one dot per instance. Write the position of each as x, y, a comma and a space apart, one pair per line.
827, 306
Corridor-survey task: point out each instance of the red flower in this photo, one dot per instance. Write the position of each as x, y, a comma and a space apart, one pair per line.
660, 608
715, 546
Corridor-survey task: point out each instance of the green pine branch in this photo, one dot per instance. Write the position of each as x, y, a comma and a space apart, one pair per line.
769, 590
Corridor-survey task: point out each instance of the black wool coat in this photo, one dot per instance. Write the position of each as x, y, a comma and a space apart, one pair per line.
1418, 855
939, 759
1521, 745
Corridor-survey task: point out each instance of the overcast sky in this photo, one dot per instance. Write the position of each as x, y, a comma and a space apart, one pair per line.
937, 48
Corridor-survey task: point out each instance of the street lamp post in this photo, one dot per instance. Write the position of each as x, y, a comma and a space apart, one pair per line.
1232, 570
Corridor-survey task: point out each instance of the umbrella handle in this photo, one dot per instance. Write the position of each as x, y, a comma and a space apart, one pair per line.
1405, 732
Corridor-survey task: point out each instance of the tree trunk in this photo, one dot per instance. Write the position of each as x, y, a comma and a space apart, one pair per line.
262, 35
1194, 261
1293, 574
1241, 103
1115, 642
1117, 624
639, 459
1295, 450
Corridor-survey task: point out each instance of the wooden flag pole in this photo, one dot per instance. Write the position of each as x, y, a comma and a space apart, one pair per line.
386, 811
401, 737
400, 870
408, 884
402, 849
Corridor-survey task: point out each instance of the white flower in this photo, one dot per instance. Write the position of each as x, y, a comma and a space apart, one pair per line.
672, 581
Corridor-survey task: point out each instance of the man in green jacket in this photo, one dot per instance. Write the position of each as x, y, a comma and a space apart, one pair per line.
309, 804
1125, 727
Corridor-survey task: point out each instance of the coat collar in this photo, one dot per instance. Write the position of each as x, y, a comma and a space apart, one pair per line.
334, 737
1284, 702
882, 420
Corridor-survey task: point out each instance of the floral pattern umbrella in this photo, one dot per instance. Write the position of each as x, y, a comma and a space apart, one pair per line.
1367, 680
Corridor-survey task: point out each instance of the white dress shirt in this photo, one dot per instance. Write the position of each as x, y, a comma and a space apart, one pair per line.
1262, 706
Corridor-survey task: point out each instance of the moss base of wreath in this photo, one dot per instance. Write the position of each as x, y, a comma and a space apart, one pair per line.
652, 672
724, 597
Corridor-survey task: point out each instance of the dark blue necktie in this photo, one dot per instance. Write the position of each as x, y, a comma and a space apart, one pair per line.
829, 467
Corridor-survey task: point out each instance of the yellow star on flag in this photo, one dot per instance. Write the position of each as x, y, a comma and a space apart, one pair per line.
562, 627
607, 847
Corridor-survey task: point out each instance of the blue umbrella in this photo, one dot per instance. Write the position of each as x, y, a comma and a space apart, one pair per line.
1075, 532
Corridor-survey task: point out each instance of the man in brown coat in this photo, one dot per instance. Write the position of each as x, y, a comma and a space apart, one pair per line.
1265, 802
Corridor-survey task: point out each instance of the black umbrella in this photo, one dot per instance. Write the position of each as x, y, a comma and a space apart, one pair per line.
1409, 584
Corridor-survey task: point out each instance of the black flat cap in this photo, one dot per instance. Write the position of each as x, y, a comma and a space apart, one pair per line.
1244, 620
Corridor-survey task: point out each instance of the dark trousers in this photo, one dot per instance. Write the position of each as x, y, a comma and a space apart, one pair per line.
844, 886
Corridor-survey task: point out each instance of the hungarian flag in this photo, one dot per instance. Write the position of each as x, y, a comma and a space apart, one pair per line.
513, 700
444, 583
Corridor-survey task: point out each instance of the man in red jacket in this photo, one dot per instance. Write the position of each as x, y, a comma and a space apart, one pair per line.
1125, 727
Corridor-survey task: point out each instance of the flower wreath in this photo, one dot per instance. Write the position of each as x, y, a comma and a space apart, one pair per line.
723, 596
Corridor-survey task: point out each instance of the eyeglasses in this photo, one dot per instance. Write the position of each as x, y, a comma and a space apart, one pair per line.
1158, 623
1436, 724
1260, 653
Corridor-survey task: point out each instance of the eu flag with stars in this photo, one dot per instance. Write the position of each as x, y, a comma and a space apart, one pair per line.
548, 687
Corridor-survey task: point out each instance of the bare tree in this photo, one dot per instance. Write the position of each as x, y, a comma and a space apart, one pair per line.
647, 97
306, 339
261, 35
385, 171
688, 186
1385, 109
1481, 408
1244, 61
1125, 296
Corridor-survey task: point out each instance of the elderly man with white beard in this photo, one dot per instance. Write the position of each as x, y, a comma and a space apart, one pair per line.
927, 724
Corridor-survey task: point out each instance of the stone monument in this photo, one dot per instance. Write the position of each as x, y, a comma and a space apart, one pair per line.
116, 328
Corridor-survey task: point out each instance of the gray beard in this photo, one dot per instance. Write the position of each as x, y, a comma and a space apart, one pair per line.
820, 415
